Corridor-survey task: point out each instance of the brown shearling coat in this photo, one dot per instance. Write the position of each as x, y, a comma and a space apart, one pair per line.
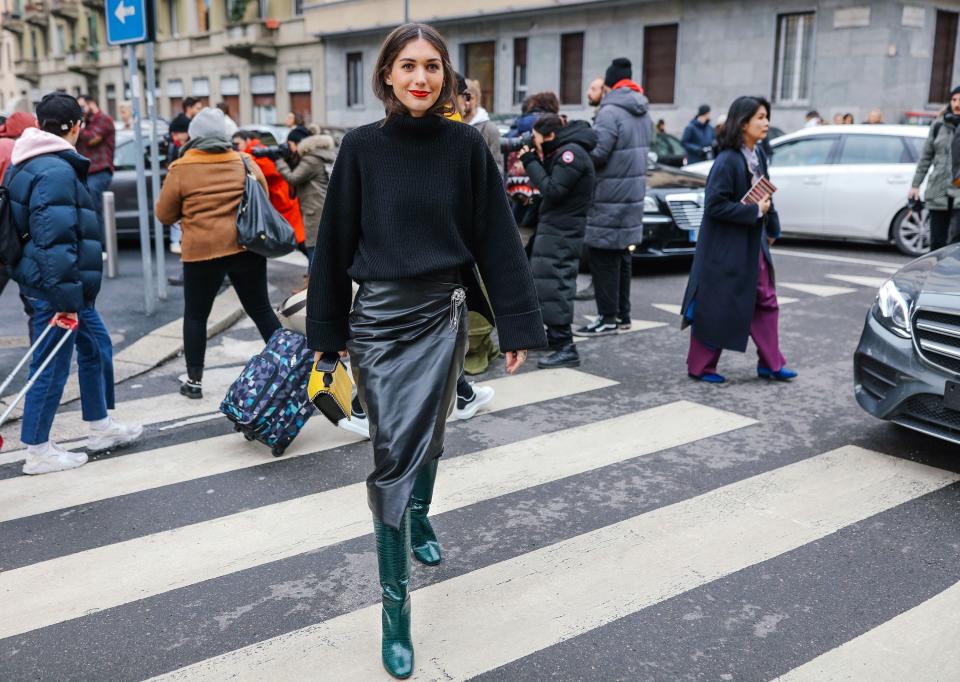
202, 190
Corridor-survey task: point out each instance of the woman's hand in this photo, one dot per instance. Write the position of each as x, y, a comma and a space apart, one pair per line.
515, 360
319, 354
765, 204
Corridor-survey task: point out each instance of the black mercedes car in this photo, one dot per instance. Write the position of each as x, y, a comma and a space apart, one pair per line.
906, 367
672, 212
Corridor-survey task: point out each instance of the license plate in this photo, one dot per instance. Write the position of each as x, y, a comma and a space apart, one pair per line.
951, 395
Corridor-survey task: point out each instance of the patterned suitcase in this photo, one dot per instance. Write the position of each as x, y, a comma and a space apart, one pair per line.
268, 401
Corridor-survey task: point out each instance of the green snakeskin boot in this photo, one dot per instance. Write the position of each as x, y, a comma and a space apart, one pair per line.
393, 558
426, 547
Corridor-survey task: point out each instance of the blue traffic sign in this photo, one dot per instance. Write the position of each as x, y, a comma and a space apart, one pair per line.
128, 21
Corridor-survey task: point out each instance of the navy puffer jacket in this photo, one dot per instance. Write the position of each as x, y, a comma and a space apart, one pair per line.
62, 262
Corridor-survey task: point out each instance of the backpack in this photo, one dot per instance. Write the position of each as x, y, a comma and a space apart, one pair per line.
11, 239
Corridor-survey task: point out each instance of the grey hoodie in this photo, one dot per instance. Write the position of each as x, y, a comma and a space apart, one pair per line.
624, 129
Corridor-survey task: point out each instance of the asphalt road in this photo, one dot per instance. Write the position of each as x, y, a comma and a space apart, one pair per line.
617, 522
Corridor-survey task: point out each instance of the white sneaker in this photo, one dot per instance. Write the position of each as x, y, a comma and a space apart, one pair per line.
116, 435
78, 457
466, 408
47, 459
357, 425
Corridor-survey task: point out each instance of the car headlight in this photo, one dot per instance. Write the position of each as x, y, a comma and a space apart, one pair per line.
650, 205
893, 305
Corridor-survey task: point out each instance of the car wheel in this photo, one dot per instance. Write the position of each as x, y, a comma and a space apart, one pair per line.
911, 232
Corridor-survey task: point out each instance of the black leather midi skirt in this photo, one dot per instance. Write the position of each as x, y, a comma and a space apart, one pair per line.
407, 343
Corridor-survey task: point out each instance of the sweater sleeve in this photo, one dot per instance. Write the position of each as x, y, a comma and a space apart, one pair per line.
501, 260
330, 289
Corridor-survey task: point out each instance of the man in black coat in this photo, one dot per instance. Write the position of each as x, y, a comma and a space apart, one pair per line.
562, 170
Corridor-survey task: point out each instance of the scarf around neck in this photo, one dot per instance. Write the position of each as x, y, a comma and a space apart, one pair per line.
213, 144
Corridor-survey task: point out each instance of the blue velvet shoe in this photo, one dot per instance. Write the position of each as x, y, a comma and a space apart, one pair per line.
782, 374
709, 378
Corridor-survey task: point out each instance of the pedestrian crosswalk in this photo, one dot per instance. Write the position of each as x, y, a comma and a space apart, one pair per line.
168, 586
544, 597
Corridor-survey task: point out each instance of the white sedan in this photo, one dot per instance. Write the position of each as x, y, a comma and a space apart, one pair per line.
848, 182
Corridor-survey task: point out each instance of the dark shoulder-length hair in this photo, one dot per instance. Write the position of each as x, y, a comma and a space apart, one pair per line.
544, 102
741, 111
390, 50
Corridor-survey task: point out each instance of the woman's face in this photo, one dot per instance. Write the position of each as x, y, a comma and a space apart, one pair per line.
756, 128
955, 104
291, 120
416, 76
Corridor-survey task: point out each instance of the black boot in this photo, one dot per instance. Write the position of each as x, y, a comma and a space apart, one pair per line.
565, 357
426, 547
393, 558
193, 386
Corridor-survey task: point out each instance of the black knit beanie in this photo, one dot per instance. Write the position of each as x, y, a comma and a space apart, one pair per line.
297, 134
619, 69
955, 91
180, 124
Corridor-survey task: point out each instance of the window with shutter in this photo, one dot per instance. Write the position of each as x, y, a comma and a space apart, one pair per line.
794, 52
519, 70
354, 79
479, 64
660, 63
571, 68
944, 47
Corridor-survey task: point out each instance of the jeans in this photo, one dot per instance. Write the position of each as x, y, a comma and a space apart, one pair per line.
94, 370
97, 184
943, 226
201, 282
611, 270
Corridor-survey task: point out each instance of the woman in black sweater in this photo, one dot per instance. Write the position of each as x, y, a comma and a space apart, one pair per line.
414, 207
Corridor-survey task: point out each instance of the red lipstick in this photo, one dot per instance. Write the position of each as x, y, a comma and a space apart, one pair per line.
419, 94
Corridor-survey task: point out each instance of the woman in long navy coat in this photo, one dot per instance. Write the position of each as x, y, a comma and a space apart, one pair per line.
730, 295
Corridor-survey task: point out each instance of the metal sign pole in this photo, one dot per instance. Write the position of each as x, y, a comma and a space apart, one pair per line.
155, 174
149, 297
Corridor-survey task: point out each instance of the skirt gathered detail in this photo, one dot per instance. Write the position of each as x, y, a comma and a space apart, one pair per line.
408, 339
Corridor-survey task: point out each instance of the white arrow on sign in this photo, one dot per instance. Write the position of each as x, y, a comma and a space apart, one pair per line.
122, 12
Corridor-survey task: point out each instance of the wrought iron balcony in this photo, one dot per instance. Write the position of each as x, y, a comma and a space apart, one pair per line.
12, 21
27, 69
65, 9
36, 13
85, 62
253, 41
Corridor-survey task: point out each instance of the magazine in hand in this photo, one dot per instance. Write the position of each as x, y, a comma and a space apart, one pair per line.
760, 189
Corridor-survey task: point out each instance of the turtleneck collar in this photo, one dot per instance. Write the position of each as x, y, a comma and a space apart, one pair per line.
413, 126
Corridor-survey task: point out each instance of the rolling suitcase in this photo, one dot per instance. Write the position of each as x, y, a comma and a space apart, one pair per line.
71, 328
268, 401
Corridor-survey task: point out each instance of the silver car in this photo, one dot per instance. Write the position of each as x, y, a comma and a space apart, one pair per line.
907, 365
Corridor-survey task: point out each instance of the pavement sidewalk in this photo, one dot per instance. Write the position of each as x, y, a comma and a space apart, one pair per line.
140, 342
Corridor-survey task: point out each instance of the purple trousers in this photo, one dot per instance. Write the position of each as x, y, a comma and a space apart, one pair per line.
702, 359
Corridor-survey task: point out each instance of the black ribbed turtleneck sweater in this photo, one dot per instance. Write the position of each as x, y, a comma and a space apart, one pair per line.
410, 197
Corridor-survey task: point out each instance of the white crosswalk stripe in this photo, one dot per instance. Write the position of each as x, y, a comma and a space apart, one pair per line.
517, 607
115, 574
25, 495
919, 644
822, 290
860, 280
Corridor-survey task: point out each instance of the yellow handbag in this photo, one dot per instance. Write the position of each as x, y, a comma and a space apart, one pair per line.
330, 388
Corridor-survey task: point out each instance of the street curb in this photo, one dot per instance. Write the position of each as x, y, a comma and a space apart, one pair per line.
147, 352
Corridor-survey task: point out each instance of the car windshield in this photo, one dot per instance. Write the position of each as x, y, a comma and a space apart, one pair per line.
660, 177
667, 145
124, 155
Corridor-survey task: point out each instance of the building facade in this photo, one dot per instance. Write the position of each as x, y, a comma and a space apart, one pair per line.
255, 55
265, 58
835, 56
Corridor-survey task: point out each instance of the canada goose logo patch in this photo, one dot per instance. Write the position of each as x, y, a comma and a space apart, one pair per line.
567, 156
